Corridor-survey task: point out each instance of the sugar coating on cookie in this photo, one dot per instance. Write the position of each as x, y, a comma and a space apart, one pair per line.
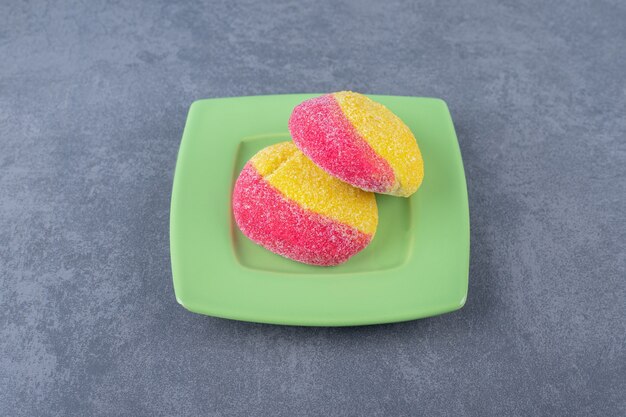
287, 204
359, 141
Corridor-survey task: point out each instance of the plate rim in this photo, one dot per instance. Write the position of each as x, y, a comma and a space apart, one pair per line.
279, 318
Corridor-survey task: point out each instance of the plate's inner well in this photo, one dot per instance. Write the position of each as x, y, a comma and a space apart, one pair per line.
390, 247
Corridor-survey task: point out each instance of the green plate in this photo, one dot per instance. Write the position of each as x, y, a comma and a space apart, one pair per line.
416, 266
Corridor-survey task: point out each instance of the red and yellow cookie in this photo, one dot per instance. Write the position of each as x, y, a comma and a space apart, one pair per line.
358, 141
287, 204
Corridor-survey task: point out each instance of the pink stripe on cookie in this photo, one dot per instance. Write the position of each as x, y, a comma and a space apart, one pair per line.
284, 227
323, 133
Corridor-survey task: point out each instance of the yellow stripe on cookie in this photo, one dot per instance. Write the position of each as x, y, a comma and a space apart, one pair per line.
388, 136
267, 160
300, 180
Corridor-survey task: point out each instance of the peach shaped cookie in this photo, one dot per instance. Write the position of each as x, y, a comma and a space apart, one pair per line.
287, 204
358, 141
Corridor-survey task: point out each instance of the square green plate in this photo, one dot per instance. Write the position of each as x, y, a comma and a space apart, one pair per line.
416, 266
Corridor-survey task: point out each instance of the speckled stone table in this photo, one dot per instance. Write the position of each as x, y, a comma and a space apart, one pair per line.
93, 99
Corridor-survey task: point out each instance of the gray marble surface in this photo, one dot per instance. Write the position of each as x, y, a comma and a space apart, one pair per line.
93, 99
